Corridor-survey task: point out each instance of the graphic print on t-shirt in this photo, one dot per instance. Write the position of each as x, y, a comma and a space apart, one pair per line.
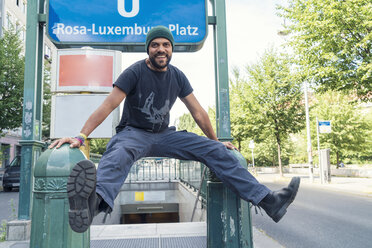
154, 115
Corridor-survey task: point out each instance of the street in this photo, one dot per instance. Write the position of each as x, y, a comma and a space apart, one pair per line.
321, 218
8, 205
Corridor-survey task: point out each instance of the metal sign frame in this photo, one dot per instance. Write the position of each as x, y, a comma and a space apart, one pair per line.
130, 46
116, 70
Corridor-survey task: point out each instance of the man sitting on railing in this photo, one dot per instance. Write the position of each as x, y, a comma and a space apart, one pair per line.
150, 87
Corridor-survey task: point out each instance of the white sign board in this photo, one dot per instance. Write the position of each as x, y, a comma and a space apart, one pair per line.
324, 126
70, 112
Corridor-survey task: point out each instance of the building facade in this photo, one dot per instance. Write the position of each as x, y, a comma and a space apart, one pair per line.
13, 14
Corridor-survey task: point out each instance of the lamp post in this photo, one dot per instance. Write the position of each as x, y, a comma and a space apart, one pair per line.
284, 33
251, 146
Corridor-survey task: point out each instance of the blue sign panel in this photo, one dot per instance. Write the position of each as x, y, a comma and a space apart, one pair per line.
324, 123
125, 22
324, 126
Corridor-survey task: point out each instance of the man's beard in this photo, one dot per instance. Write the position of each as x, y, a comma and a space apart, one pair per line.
158, 66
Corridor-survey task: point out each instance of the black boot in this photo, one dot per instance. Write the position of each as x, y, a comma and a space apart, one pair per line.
276, 203
82, 197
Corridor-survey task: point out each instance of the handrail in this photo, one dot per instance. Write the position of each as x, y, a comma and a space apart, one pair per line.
197, 196
150, 169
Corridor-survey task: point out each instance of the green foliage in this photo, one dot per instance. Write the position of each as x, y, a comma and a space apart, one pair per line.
332, 41
298, 146
47, 100
351, 134
267, 106
186, 122
3, 231
266, 152
98, 145
241, 110
11, 81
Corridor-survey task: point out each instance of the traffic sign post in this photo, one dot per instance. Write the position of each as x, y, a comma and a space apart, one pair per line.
31, 144
322, 127
308, 134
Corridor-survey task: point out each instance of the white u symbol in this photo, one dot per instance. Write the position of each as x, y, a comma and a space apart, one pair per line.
123, 12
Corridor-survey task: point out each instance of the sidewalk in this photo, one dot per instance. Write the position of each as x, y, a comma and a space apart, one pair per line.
167, 235
352, 185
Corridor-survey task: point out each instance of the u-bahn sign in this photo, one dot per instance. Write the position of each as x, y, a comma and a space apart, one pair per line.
123, 24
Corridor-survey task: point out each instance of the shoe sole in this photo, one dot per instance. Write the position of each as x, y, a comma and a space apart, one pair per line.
295, 183
80, 185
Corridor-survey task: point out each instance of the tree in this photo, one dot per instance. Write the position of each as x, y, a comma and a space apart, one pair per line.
11, 81
186, 122
266, 152
273, 97
47, 99
240, 111
332, 41
98, 145
351, 131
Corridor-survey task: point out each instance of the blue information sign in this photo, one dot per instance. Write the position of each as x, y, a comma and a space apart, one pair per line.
324, 126
125, 23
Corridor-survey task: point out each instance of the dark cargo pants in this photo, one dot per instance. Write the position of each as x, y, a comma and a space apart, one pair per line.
131, 144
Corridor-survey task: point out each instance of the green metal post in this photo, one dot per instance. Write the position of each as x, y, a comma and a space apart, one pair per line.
222, 72
214, 210
32, 103
49, 225
227, 214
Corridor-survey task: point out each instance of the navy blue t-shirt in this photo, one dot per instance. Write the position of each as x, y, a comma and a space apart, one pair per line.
150, 95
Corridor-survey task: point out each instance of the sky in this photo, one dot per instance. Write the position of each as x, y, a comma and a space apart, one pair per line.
252, 27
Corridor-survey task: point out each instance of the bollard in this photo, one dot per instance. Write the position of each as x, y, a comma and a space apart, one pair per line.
228, 217
49, 217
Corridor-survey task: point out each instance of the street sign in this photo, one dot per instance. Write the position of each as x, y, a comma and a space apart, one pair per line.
123, 25
324, 126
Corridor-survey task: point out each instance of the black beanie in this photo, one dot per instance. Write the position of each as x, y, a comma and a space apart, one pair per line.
159, 32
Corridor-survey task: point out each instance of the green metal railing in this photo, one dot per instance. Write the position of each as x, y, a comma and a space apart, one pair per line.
154, 169
168, 169
94, 157
191, 173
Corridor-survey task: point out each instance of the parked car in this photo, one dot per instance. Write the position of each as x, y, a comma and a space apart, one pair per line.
12, 174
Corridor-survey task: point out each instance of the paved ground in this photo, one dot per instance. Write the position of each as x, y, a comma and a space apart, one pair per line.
116, 235
359, 186
353, 185
322, 216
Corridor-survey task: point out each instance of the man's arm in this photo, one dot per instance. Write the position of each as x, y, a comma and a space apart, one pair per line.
111, 102
202, 119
